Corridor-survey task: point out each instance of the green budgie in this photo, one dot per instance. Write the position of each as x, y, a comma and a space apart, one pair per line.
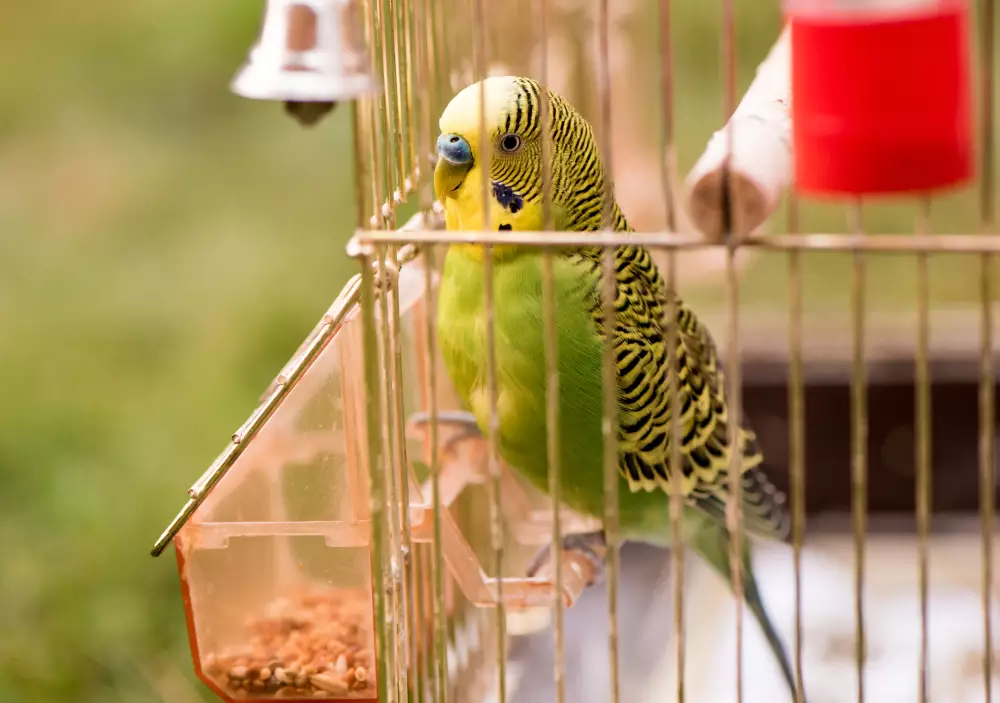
513, 129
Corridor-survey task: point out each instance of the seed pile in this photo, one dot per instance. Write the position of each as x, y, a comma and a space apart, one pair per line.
316, 645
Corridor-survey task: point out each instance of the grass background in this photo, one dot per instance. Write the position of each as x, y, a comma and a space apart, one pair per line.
164, 247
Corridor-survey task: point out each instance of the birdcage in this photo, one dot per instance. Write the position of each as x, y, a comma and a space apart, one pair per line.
361, 537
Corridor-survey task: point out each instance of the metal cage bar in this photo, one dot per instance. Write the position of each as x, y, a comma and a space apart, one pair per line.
609, 300
796, 440
859, 444
375, 474
734, 516
668, 179
874, 243
922, 449
553, 417
479, 67
439, 649
987, 439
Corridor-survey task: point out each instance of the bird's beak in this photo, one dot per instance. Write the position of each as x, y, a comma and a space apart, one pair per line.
453, 164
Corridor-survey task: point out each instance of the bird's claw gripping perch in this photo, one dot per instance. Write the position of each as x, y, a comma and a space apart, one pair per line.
464, 420
590, 545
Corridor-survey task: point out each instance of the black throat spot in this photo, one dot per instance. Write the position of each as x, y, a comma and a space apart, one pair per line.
509, 199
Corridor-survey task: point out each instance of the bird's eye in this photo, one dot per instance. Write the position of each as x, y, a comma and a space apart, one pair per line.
510, 143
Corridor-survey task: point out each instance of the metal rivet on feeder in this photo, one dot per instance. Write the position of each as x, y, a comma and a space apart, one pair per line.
311, 54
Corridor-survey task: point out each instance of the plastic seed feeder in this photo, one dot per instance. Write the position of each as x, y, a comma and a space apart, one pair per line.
880, 95
277, 544
275, 564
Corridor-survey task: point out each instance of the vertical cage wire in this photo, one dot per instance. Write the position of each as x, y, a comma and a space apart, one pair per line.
485, 148
667, 160
922, 448
376, 474
422, 679
796, 436
479, 64
609, 435
400, 480
796, 433
552, 387
859, 443
390, 40
668, 323
987, 140
417, 625
386, 435
420, 110
493, 440
473, 64
987, 446
734, 400
373, 126
440, 48
393, 129
436, 69
390, 115
734, 508
430, 100
412, 118
439, 661
376, 167
987, 463
553, 448
609, 297
390, 496
384, 113
545, 114
362, 160
671, 312
401, 136
418, 107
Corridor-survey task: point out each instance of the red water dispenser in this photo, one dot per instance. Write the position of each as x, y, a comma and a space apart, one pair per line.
880, 95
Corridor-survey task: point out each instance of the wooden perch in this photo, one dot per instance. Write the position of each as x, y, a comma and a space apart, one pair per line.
761, 162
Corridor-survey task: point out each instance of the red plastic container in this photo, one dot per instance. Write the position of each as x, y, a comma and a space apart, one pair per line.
880, 95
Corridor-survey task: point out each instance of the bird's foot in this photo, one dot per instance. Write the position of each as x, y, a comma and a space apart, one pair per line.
590, 545
466, 422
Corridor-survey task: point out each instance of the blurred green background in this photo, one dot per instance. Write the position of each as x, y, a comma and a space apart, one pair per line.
164, 247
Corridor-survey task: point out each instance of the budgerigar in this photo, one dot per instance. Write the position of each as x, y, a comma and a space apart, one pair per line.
513, 132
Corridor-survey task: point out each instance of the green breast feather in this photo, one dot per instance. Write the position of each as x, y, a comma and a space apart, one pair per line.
643, 399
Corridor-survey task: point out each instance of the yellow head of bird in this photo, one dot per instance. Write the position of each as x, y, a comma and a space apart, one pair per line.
498, 122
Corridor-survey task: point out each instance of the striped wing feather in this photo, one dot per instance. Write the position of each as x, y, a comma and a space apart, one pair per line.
644, 406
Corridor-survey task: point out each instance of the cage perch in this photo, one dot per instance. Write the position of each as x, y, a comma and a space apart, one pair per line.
751, 154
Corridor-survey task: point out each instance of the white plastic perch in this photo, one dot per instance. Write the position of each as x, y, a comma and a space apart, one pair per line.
761, 163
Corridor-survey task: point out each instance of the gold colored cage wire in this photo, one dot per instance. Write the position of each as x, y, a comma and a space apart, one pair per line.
394, 147
394, 141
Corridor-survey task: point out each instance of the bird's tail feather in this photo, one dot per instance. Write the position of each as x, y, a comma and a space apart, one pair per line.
756, 605
712, 543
